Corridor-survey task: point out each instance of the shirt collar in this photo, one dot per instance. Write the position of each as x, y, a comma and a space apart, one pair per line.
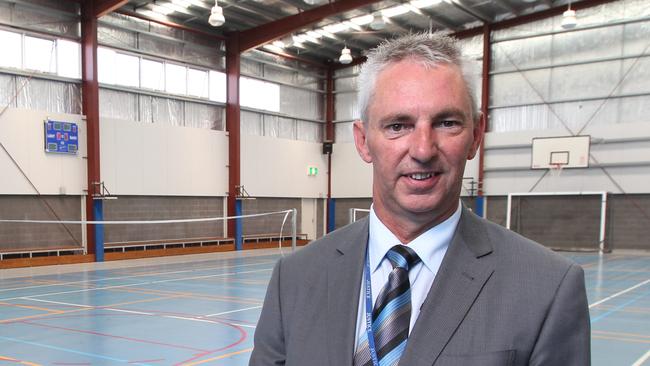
381, 239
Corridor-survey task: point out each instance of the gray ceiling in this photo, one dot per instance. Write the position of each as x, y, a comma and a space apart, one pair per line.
241, 15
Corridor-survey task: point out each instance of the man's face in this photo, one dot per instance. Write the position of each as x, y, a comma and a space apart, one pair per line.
419, 135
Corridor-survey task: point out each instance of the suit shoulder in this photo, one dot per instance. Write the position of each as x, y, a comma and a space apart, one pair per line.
326, 247
512, 246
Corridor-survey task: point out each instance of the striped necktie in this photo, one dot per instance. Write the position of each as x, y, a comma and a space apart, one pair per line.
391, 314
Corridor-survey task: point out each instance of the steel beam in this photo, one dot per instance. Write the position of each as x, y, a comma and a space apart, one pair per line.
233, 71
170, 24
90, 106
258, 36
103, 7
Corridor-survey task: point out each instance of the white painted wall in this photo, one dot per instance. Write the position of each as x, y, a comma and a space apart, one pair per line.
622, 149
154, 159
22, 134
352, 177
272, 167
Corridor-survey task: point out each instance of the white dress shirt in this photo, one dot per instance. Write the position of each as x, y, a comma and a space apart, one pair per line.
430, 246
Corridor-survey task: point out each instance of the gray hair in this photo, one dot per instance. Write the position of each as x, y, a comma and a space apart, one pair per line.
430, 49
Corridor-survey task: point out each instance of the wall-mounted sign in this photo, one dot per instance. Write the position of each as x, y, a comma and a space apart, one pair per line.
312, 171
61, 137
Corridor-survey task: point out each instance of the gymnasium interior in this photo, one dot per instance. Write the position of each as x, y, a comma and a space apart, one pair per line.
159, 156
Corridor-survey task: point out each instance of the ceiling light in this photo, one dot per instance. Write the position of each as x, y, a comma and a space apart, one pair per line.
346, 57
378, 22
395, 11
216, 16
569, 19
425, 3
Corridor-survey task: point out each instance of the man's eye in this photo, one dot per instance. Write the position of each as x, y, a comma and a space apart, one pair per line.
449, 123
396, 127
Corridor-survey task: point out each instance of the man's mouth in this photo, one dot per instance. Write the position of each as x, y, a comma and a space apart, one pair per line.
422, 176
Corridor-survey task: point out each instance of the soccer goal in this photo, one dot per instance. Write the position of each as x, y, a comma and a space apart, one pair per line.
560, 220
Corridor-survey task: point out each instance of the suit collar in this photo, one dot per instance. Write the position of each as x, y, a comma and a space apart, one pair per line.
461, 278
343, 288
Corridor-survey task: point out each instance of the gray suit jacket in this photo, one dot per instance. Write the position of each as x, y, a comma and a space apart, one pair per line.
498, 299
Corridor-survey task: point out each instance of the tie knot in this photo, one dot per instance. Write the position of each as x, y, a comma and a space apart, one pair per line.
402, 256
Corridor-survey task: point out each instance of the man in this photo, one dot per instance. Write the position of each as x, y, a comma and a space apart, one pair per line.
422, 281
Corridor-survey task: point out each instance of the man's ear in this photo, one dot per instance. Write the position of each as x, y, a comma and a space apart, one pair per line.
479, 135
361, 141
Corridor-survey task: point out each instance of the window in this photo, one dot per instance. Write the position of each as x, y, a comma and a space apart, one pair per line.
127, 70
217, 86
105, 65
69, 58
175, 79
152, 74
259, 94
40, 54
10, 43
197, 83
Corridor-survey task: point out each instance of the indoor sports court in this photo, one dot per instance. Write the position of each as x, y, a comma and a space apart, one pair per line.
159, 157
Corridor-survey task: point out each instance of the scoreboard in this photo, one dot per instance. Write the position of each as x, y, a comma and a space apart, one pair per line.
61, 137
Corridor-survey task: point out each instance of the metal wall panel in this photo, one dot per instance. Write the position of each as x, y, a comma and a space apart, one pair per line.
118, 104
49, 95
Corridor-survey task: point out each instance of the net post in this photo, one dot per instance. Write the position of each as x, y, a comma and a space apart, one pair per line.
294, 220
98, 211
508, 208
603, 221
351, 215
238, 225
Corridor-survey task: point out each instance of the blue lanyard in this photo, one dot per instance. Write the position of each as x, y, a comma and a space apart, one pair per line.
371, 338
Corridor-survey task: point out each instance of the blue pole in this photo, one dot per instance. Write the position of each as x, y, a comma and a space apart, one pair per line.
480, 202
238, 226
331, 215
98, 211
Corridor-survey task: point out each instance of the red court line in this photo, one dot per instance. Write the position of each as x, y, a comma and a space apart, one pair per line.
243, 334
114, 336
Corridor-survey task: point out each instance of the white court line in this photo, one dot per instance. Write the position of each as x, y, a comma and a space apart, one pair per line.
619, 293
59, 303
136, 284
128, 311
233, 311
207, 321
643, 359
244, 325
134, 276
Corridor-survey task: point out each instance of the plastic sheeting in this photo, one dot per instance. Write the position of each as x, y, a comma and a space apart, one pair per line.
345, 83
48, 95
204, 116
301, 103
343, 132
116, 37
347, 107
42, 19
257, 124
118, 104
7, 90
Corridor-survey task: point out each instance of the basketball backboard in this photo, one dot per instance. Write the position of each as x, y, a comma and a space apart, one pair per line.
566, 151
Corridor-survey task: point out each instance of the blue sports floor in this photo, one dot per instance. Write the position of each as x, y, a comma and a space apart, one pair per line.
202, 310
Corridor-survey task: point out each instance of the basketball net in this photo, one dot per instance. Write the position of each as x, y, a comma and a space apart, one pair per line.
556, 169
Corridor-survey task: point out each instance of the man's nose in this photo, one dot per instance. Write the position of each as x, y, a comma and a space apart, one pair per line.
423, 145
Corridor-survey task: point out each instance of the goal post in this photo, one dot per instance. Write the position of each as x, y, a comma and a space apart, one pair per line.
546, 216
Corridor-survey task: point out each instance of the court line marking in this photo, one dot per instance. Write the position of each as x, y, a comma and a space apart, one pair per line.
60, 303
643, 359
220, 357
128, 311
3, 358
93, 355
135, 276
233, 311
31, 297
619, 293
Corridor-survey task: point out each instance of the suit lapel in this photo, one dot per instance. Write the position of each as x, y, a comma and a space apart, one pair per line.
460, 279
343, 289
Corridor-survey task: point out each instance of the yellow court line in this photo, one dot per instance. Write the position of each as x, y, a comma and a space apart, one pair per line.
219, 357
631, 340
32, 307
3, 358
633, 335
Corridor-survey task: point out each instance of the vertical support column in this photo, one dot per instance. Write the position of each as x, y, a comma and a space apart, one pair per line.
90, 105
331, 216
99, 230
233, 126
239, 232
485, 101
329, 136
